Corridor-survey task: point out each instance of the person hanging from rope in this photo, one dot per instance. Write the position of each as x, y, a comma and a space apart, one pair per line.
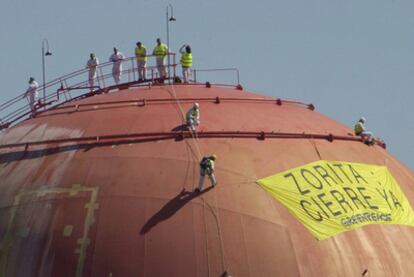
33, 95
207, 168
360, 130
92, 64
193, 117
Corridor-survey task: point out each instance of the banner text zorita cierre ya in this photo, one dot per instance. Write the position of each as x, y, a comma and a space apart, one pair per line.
330, 197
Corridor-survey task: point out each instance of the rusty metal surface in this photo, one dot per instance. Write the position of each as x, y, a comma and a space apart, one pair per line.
127, 208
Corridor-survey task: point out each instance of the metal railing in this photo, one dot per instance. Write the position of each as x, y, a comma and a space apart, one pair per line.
76, 84
235, 70
185, 134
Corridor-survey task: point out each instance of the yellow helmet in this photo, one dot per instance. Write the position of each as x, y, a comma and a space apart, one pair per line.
213, 157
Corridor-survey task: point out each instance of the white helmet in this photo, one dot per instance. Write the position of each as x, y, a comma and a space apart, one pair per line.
362, 119
196, 105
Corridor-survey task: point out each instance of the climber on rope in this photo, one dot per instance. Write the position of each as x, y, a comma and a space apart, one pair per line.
207, 168
193, 117
360, 130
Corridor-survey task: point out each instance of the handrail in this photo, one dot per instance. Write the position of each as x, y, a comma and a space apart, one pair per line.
216, 100
75, 85
61, 88
180, 135
216, 70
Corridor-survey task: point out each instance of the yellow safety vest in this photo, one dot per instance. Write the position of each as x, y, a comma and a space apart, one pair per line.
187, 60
358, 128
193, 113
160, 50
207, 164
141, 53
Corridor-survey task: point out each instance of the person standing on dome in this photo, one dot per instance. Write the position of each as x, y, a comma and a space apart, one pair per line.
207, 168
92, 64
141, 55
360, 130
186, 61
117, 58
193, 117
160, 51
32, 94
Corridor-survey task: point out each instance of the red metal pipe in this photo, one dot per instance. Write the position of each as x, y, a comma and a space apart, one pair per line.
185, 134
188, 99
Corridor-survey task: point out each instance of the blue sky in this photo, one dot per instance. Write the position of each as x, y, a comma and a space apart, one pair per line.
349, 58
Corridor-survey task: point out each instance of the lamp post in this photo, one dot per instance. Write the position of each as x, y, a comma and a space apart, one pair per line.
45, 42
168, 19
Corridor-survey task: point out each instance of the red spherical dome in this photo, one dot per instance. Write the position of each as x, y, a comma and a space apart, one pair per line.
104, 186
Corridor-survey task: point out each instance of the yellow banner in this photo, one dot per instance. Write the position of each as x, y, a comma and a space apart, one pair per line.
330, 197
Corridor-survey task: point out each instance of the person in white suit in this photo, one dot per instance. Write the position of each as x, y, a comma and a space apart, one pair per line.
92, 64
117, 58
32, 94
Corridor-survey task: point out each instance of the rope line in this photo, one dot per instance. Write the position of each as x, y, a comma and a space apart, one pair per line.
316, 148
205, 227
218, 224
184, 121
215, 212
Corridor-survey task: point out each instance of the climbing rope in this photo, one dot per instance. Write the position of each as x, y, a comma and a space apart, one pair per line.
184, 121
316, 148
215, 213
216, 216
205, 227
